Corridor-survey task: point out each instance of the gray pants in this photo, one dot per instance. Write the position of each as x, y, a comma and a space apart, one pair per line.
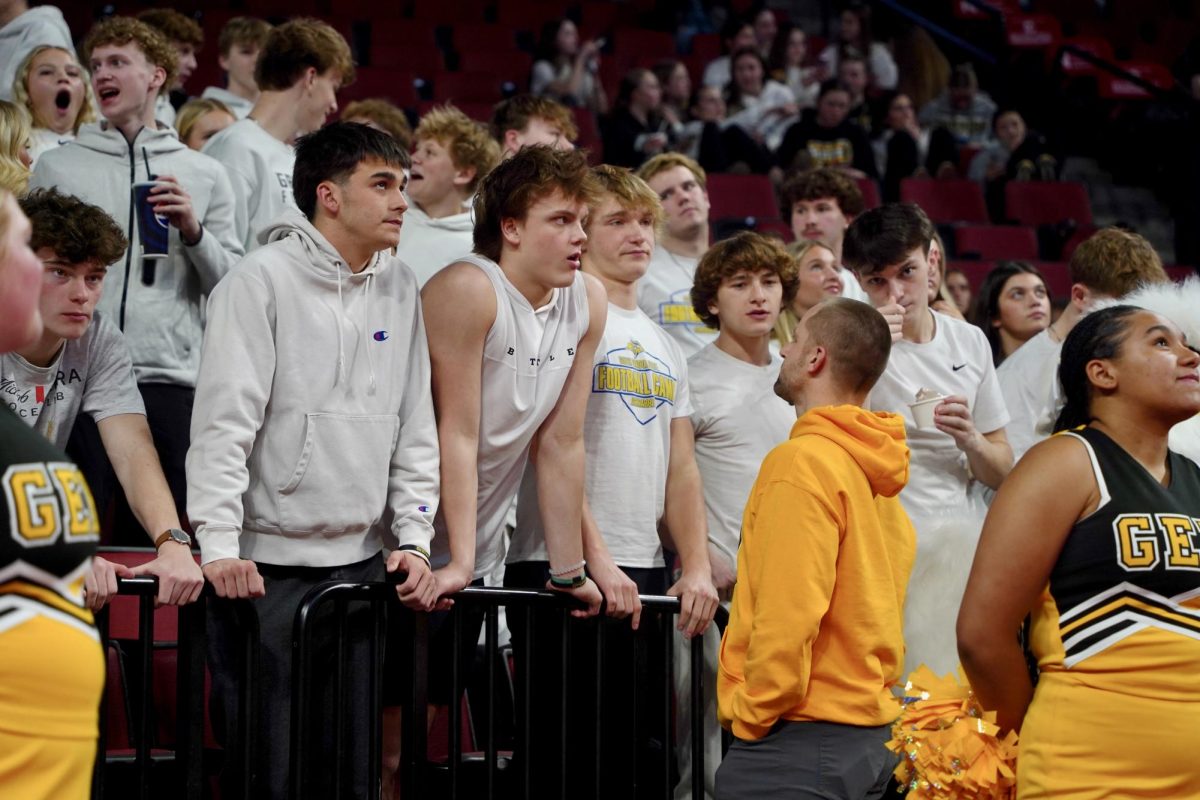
276, 612
808, 760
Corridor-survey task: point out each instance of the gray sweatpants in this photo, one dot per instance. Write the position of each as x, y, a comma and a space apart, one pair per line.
276, 612
799, 760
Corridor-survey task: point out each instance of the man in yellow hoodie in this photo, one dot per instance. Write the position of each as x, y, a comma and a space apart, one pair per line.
815, 641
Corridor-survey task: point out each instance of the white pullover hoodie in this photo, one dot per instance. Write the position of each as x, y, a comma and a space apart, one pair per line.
313, 421
427, 245
157, 304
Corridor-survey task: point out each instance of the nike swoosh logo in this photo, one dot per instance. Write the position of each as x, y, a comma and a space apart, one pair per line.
957, 368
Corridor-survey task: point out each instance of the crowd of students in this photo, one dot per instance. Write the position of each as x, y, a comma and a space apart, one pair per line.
461, 353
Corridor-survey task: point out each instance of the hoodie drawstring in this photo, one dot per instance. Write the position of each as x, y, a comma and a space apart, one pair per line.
341, 365
367, 330
366, 319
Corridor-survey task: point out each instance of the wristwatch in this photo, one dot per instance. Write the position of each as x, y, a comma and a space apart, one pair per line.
173, 535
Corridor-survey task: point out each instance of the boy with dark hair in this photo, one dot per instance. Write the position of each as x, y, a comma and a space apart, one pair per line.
302, 65
1108, 265
526, 119
741, 285
451, 156
81, 364
186, 37
639, 403
664, 291
829, 138
966, 445
157, 303
815, 644
821, 203
238, 46
310, 430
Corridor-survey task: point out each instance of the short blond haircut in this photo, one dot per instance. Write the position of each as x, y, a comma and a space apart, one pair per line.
384, 114
745, 251
631, 192
1114, 262
14, 135
665, 161
20, 89
296, 45
120, 31
468, 142
175, 26
191, 112
242, 30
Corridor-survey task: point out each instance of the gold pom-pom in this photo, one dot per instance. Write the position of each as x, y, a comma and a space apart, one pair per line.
949, 745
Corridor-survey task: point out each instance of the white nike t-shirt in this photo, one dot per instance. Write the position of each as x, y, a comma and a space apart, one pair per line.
958, 361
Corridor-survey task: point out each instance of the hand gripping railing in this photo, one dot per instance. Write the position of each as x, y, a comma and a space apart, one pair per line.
413, 769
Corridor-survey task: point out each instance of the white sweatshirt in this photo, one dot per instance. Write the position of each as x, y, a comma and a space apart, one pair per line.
260, 167
313, 420
427, 245
156, 304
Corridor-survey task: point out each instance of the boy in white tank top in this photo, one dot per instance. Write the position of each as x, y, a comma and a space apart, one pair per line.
640, 472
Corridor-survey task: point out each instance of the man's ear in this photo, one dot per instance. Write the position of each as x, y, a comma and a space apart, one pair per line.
816, 360
510, 229
329, 198
511, 140
463, 176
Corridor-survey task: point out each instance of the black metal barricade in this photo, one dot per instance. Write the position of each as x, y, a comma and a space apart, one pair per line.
414, 770
189, 753
190, 665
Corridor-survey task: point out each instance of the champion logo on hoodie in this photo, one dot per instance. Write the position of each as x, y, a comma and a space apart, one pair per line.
380, 336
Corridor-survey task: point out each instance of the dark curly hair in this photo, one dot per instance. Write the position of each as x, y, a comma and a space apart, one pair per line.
76, 231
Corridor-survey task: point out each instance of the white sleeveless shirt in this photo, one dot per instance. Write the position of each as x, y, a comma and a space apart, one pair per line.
527, 356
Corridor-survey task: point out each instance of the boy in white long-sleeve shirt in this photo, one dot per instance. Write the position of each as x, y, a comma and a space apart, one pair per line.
299, 71
155, 302
314, 421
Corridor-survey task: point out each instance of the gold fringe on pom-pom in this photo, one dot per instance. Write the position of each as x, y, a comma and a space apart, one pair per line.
948, 745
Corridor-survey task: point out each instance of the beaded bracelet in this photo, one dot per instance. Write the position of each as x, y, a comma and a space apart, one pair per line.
566, 570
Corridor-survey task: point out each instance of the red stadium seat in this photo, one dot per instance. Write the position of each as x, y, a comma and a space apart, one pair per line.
946, 200
589, 134
776, 227
975, 271
1058, 277
1178, 273
634, 43
1032, 31
706, 46
474, 39
467, 87
390, 84
1073, 65
1117, 88
1046, 203
737, 196
996, 242
423, 59
870, 192
512, 66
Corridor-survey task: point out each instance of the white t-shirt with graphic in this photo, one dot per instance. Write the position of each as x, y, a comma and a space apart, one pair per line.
665, 294
738, 419
93, 374
639, 385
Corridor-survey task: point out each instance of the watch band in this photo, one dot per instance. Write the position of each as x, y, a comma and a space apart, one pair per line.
173, 535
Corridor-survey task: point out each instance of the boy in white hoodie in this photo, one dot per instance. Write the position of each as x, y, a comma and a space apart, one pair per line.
313, 424
451, 156
238, 46
155, 302
302, 65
